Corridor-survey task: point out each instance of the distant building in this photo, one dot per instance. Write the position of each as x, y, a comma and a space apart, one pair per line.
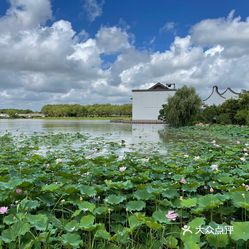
146, 103
217, 98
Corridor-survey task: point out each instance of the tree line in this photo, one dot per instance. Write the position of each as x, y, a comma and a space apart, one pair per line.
96, 110
185, 108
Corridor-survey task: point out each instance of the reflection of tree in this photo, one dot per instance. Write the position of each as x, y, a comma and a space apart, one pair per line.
168, 134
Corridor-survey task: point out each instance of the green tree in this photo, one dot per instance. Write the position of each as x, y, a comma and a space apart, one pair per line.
182, 108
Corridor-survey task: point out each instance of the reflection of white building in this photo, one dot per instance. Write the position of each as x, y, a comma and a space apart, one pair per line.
146, 103
217, 98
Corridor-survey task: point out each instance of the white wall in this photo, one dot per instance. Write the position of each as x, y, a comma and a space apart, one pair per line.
230, 95
215, 99
146, 105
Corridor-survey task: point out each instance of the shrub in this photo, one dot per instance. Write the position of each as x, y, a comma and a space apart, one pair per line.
241, 117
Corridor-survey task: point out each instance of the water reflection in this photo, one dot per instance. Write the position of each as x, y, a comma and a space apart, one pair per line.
131, 133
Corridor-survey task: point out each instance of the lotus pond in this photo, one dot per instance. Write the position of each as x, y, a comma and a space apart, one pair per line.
70, 190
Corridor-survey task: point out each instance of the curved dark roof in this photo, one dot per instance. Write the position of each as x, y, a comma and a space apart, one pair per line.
229, 89
215, 89
157, 87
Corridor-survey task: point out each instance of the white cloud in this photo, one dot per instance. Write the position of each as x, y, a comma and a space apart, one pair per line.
231, 33
53, 64
25, 14
112, 39
93, 8
168, 27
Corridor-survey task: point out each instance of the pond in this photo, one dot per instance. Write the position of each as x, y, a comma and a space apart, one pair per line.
136, 135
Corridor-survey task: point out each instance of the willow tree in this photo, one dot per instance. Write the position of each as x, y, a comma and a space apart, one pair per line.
181, 108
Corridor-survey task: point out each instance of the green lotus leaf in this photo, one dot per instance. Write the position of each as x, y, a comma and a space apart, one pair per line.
72, 239
170, 193
240, 199
100, 210
72, 226
18, 229
10, 219
209, 202
51, 187
87, 222
87, 190
217, 240
115, 199
122, 236
39, 221
170, 242
240, 231
191, 245
101, 233
143, 195
192, 236
86, 206
26, 204
135, 221
188, 203
160, 216
135, 205
152, 224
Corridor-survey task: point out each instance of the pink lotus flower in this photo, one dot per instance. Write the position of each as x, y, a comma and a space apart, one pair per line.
18, 191
183, 181
3, 210
171, 215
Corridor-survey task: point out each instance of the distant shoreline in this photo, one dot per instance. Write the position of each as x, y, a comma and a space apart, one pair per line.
72, 118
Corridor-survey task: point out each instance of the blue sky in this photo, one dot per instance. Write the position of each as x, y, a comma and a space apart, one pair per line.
97, 51
146, 18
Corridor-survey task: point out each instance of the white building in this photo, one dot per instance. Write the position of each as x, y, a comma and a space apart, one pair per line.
146, 103
217, 98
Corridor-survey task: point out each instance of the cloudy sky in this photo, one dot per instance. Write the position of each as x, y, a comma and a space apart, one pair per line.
96, 51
